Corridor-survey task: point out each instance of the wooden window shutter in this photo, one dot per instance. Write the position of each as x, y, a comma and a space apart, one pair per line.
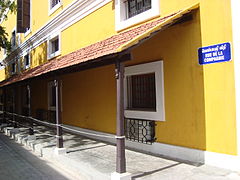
23, 15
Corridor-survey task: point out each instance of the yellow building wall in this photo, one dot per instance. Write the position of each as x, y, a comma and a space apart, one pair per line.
93, 28
39, 55
40, 14
219, 87
2, 74
193, 118
89, 97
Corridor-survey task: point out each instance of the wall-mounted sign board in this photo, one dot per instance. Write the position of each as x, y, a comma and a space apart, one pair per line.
214, 54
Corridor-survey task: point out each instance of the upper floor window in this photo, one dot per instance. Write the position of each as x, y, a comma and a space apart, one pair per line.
28, 28
23, 15
131, 12
53, 46
26, 61
135, 7
54, 5
13, 39
13, 68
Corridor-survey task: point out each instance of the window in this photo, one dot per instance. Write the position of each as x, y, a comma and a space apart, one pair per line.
26, 61
53, 47
51, 96
131, 12
23, 15
134, 7
144, 93
13, 68
13, 39
54, 5
28, 28
141, 92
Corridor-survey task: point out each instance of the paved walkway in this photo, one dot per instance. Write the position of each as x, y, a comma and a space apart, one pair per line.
18, 163
90, 159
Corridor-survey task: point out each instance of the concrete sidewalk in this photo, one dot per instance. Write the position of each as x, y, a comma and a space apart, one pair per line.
90, 159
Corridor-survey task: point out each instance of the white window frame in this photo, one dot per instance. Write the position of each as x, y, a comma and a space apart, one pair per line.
51, 55
51, 9
50, 85
153, 67
24, 63
120, 15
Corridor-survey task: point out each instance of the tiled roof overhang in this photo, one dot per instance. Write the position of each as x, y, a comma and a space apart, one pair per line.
104, 52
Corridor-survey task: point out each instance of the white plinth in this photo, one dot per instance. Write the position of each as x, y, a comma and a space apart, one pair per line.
60, 151
7, 131
120, 176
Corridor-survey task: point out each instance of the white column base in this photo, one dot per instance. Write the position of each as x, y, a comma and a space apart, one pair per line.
7, 130
120, 176
31, 137
60, 151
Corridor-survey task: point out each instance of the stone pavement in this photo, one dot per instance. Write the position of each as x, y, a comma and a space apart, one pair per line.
90, 159
18, 163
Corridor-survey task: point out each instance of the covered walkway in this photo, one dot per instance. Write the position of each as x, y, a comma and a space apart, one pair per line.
90, 159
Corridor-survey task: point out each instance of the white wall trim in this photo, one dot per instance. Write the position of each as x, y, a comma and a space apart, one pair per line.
236, 56
177, 152
73, 13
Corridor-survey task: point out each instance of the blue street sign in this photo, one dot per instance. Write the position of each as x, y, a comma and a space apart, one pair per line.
214, 54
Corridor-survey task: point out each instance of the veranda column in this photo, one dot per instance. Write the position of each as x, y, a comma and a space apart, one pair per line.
4, 105
29, 109
120, 136
31, 135
59, 149
13, 107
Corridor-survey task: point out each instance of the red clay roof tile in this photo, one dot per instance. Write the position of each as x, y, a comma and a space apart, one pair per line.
93, 51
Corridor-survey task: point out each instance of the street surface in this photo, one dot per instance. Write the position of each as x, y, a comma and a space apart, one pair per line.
18, 163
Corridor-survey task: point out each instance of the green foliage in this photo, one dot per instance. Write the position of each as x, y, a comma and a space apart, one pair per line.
5, 6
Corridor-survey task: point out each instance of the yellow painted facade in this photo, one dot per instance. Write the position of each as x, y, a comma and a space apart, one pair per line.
199, 100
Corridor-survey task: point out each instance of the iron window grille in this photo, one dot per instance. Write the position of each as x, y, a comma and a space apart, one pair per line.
139, 130
54, 2
141, 92
135, 7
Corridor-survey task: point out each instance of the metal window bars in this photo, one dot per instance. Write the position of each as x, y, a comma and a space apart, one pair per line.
139, 130
135, 7
54, 3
